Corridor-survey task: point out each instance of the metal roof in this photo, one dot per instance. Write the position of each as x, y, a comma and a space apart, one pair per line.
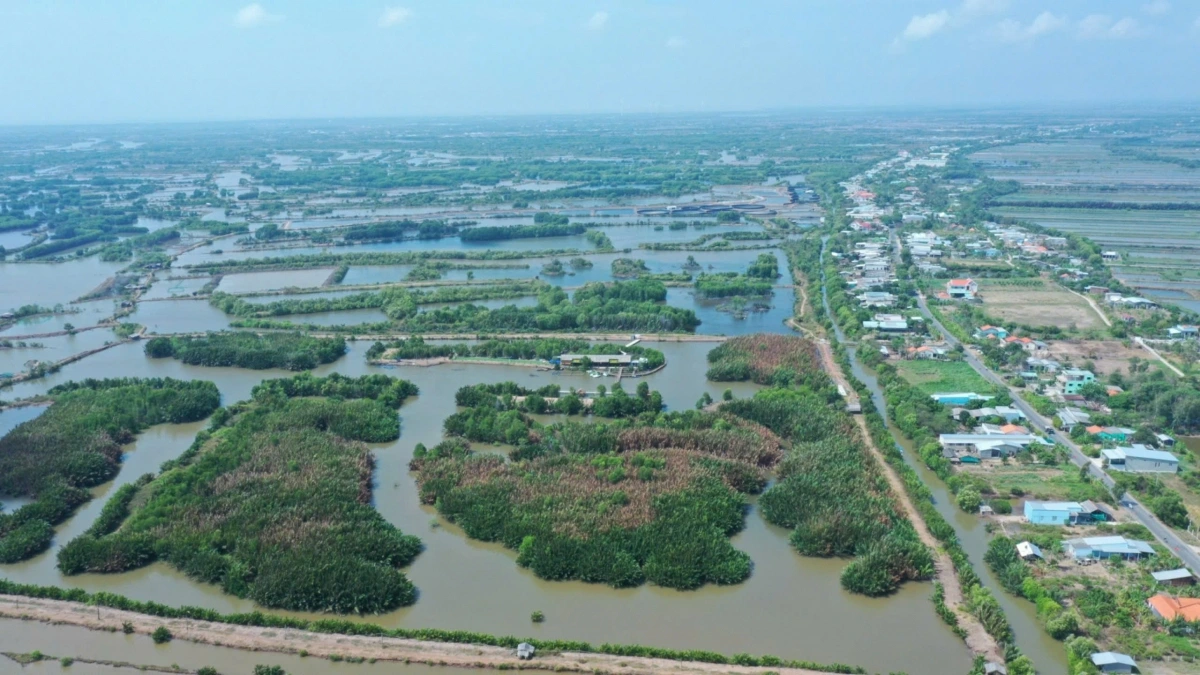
1113, 658
1140, 452
1171, 575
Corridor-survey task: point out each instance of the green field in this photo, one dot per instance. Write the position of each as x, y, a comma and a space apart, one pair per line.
941, 377
1037, 482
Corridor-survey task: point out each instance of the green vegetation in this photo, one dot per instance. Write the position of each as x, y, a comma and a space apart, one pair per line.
653, 497
554, 268
832, 494
536, 231
275, 504
767, 358
628, 268
77, 444
161, 635
393, 230
331, 626
290, 351
623, 306
542, 349
758, 280
396, 303
581, 264
938, 377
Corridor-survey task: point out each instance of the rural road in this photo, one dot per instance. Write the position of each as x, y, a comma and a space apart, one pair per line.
1161, 532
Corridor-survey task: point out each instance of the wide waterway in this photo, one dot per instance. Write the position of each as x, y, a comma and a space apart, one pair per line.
791, 606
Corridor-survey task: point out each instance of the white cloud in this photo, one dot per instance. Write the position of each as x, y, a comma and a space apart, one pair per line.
676, 42
254, 15
598, 21
1156, 7
394, 16
927, 25
983, 6
1011, 30
1102, 27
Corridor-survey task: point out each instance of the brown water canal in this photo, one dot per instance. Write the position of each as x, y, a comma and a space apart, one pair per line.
791, 606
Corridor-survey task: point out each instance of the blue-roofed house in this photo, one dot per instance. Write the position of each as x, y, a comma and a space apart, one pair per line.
1101, 548
958, 398
1052, 513
1114, 662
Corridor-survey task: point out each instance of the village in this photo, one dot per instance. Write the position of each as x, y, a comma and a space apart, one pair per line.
1037, 354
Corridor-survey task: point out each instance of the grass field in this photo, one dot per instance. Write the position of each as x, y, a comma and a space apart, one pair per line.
1036, 482
1046, 304
941, 377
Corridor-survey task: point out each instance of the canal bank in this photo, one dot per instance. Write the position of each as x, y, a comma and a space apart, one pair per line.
1047, 654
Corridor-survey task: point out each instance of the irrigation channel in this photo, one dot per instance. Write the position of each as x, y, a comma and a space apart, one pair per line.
1047, 653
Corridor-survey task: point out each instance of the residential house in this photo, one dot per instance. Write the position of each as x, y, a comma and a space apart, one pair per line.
1074, 379
1165, 441
1138, 458
1114, 662
1100, 548
958, 398
1183, 332
986, 446
929, 268
1009, 413
1179, 577
876, 299
1052, 513
991, 333
1027, 344
1073, 417
1110, 255
962, 289
887, 323
993, 668
928, 352
1168, 607
1042, 365
1055, 242
1112, 434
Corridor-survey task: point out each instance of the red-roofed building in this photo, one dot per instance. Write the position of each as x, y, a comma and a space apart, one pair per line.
962, 289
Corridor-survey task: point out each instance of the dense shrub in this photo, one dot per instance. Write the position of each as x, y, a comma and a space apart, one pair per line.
77, 444
289, 351
278, 508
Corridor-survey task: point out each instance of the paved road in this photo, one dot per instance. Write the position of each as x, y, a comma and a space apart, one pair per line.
1161, 532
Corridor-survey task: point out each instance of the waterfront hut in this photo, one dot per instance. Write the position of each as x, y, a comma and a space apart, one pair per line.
993, 668
1114, 662
525, 651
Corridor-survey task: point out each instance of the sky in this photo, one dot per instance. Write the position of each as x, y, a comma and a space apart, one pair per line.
82, 61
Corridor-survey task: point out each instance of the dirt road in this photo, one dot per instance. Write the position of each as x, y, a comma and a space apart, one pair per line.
324, 645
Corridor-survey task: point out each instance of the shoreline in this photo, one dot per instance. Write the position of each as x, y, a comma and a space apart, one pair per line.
325, 645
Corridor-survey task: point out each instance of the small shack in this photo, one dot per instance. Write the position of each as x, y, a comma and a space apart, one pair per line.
1179, 577
525, 651
1029, 551
1114, 662
993, 668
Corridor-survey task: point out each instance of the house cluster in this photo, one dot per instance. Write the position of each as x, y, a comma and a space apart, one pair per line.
924, 245
1129, 301
871, 266
1183, 332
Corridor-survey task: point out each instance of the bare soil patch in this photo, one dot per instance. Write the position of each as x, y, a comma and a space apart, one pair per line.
1047, 305
1109, 355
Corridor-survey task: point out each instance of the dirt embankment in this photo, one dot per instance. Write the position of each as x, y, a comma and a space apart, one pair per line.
978, 640
383, 649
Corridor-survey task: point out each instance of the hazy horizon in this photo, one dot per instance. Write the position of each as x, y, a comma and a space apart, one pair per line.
277, 60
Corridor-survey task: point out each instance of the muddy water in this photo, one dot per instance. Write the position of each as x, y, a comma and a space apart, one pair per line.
790, 606
24, 637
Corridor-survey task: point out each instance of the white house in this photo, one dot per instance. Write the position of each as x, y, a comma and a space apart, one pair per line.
962, 289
